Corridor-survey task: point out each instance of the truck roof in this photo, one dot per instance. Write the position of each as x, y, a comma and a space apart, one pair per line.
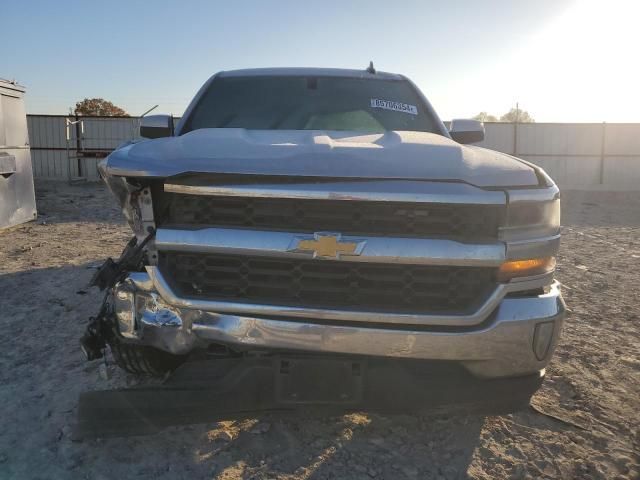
310, 72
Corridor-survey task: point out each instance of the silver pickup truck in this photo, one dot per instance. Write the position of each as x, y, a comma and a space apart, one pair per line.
325, 213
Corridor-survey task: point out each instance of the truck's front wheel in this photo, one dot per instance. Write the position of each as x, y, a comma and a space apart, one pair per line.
145, 360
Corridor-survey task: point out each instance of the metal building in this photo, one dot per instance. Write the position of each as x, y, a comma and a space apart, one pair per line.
17, 196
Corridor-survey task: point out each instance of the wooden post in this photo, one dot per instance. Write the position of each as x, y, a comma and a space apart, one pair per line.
78, 145
603, 138
515, 131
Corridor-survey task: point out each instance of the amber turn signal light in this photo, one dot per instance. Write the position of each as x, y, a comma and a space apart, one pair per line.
526, 268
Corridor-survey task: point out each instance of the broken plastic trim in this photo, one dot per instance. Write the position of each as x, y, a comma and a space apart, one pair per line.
100, 329
111, 271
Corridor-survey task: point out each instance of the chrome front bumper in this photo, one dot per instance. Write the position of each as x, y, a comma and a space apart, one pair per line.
517, 338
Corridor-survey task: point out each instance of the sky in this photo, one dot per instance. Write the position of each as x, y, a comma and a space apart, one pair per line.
561, 60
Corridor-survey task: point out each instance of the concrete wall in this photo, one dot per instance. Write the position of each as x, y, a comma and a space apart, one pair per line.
576, 155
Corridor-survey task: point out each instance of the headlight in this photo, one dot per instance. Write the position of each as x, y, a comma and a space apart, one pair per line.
529, 220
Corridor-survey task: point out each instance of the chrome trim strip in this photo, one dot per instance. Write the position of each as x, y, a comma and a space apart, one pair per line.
533, 195
167, 293
538, 247
532, 282
371, 191
374, 249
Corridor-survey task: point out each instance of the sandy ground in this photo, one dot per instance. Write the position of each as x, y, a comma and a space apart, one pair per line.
593, 384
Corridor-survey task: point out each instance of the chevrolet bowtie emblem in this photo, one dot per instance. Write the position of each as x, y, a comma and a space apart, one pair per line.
326, 245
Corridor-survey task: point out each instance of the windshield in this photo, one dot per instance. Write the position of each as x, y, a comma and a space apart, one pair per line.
311, 103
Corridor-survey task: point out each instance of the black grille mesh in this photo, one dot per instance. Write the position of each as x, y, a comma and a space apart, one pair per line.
329, 283
470, 222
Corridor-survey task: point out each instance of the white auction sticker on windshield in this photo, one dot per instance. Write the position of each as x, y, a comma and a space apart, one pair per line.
395, 106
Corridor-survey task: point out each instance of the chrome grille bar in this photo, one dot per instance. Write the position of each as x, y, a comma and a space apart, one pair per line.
374, 191
374, 249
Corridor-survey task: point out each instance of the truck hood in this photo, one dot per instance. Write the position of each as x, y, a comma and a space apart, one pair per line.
315, 153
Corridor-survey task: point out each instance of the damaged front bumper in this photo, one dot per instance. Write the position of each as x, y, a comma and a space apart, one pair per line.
517, 338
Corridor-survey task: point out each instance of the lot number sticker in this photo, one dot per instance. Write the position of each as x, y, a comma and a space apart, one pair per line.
395, 106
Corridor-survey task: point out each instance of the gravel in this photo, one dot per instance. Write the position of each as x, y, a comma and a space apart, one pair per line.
584, 423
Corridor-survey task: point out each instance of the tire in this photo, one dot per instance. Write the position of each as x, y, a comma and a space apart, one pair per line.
141, 359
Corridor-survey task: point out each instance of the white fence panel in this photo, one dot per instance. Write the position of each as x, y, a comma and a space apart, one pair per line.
569, 171
52, 164
47, 131
559, 139
499, 136
106, 134
622, 139
622, 172
90, 169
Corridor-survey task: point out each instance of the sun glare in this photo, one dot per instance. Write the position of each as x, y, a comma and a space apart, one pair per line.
583, 66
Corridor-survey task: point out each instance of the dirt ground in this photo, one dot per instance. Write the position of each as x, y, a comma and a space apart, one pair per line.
592, 389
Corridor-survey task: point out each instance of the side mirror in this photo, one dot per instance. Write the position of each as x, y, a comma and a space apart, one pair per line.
156, 126
467, 131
